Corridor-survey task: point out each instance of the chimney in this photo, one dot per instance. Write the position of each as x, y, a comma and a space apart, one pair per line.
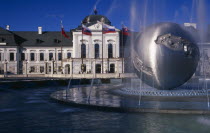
39, 30
190, 24
7, 27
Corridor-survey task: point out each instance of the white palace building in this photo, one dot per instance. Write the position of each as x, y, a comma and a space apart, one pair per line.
43, 52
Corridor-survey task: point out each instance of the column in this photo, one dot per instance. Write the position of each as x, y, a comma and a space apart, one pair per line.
26, 68
52, 67
117, 65
18, 61
5, 68
94, 68
107, 66
45, 67
71, 68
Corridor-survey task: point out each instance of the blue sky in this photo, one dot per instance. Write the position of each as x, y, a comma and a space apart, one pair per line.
27, 15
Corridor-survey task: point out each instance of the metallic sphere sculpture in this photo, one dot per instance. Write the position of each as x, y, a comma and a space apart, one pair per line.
165, 55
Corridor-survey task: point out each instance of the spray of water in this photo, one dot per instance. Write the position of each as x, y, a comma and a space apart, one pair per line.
192, 11
201, 22
201, 18
204, 121
113, 6
95, 5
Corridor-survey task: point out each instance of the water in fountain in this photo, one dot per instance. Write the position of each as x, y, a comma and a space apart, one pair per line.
68, 87
91, 87
140, 17
201, 21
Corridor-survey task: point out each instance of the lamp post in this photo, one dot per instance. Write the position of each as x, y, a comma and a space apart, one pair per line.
83, 68
26, 69
46, 66
5, 68
52, 64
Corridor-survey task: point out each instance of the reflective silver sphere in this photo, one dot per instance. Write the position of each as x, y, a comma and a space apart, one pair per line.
165, 55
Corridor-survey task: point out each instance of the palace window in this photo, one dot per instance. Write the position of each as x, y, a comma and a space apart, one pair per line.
41, 56
59, 56
68, 55
98, 68
49, 68
11, 56
32, 56
41, 69
110, 51
67, 69
112, 68
83, 51
59, 69
32, 69
50, 56
22, 56
96, 50
83, 67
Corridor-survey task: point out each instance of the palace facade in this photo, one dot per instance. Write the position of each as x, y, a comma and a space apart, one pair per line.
43, 52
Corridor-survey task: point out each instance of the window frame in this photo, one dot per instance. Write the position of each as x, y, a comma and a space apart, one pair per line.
110, 50
68, 55
41, 56
32, 69
32, 56
11, 56
83, 51
60, 56
21, 56
41, 69
97, 51
50, 56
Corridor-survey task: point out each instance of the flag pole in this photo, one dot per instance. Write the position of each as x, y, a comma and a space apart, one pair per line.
102, 50
61, 51
122, 49
82, 49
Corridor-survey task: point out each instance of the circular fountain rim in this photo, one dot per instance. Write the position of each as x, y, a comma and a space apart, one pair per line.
112, 107
163, 93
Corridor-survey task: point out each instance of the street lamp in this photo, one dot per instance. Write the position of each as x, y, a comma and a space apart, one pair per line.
5, 67
26, 69
46, 66
83, 67
53, 65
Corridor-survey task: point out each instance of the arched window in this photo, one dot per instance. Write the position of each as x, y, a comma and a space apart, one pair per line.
67, 69
110, 51
112, 68
83, 51
96, 50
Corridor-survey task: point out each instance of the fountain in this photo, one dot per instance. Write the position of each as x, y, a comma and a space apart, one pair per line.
164, 57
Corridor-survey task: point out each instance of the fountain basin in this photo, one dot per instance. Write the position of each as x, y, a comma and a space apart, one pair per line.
110, 98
